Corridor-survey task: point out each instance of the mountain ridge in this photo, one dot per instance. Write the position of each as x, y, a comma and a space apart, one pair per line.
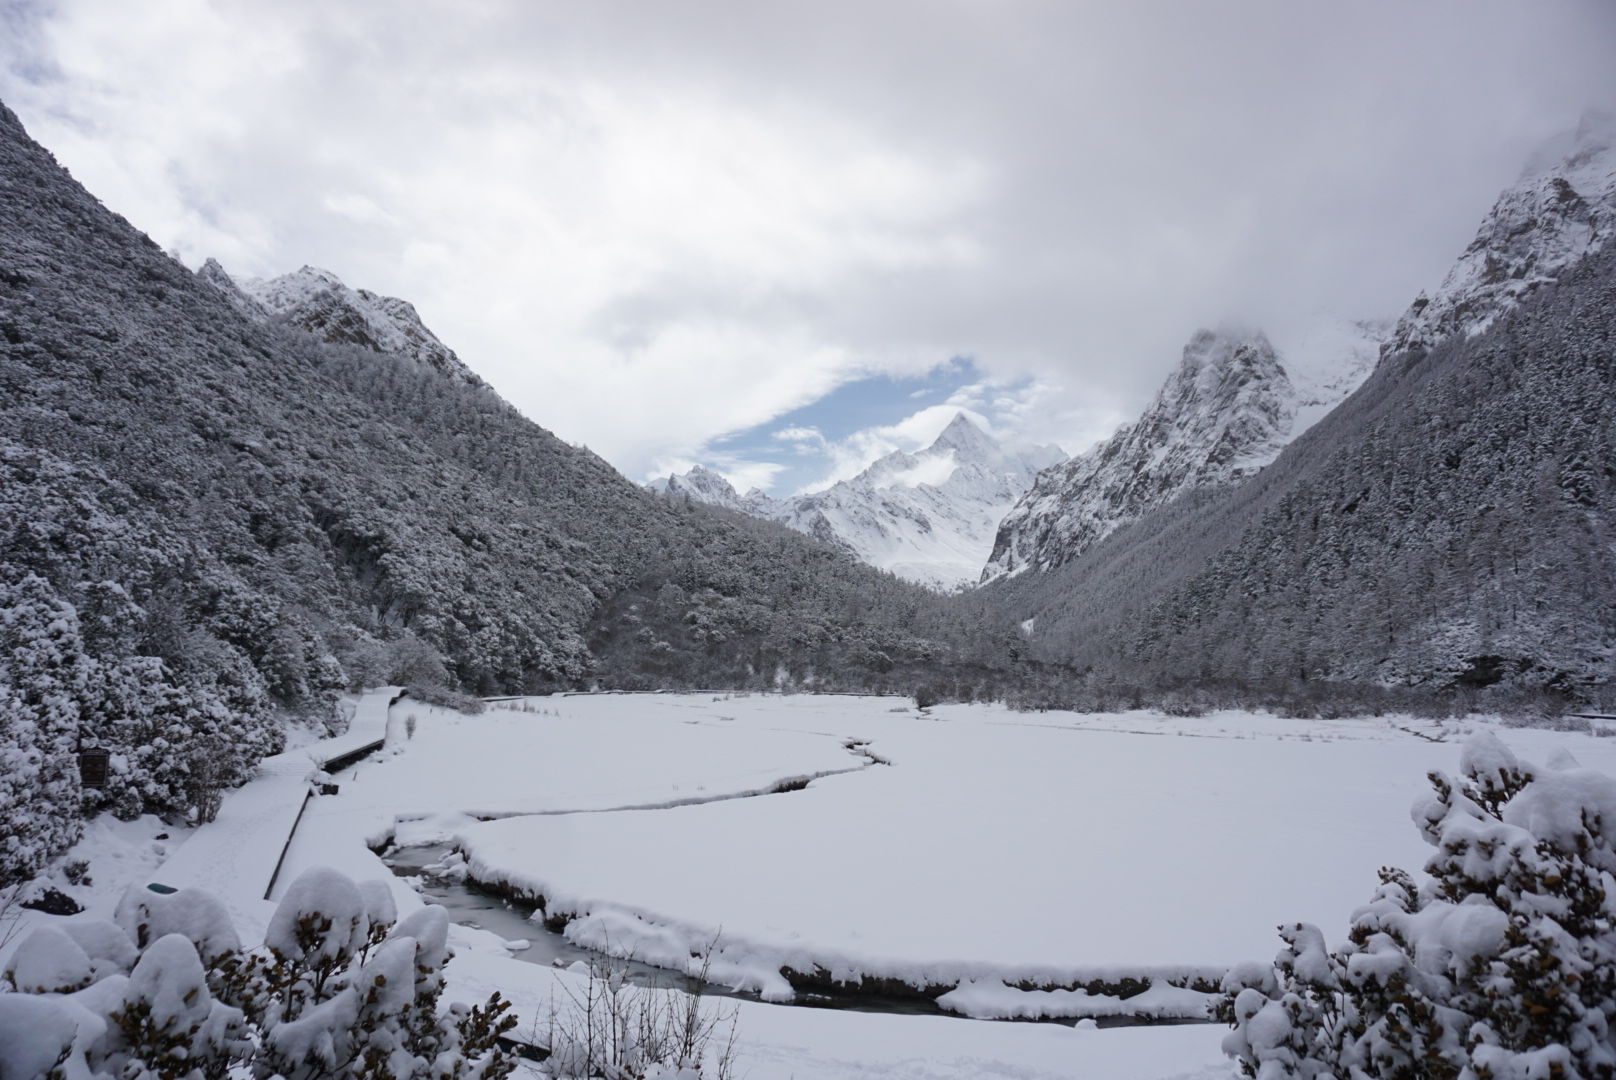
927, 515
318, 302
1227, 410
1562, 208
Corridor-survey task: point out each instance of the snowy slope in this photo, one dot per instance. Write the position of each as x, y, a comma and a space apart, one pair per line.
317, 301
927, 516
1562, 208
1228, 410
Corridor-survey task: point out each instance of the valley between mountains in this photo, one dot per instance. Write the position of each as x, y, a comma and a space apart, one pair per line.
985, 760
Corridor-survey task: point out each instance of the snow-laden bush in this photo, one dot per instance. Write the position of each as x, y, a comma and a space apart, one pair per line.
1501, 966
338, 990
175, 739
43, 675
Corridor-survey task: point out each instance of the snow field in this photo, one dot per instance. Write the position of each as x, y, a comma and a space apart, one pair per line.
996, 846
777, 1043
1050, 851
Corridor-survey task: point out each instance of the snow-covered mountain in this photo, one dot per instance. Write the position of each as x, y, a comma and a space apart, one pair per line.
1228, 410
705, 486
317, 301
1562, 208
1234, 404
927, 516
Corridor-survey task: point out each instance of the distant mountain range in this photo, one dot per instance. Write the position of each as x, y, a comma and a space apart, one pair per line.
293, 485
1233, 403
927, 516
296, 486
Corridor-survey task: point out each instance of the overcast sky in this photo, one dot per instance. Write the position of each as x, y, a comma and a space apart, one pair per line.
693, 231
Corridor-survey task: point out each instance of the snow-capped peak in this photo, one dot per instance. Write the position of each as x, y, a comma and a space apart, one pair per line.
316, 300
702, 485
967, 440
1231, 407
1562, 208
1227, 410
927, 515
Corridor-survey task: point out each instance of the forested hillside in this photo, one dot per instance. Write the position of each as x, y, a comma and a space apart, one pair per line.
206, 521
1448, 526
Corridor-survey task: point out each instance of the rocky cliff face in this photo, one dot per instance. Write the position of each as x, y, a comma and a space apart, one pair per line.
1563, 208
927, 516
1233, 404
1227, 411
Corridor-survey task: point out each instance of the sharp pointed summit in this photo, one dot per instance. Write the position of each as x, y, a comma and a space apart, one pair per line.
928, 516
963, 436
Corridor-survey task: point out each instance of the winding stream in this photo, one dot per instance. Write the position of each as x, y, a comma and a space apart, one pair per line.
478, 908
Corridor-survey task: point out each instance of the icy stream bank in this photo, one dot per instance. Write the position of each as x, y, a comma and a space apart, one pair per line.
487, 906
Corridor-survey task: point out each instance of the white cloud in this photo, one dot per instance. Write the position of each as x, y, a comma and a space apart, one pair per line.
653, 225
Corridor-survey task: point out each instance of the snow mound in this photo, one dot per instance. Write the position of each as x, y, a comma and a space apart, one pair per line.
49, 962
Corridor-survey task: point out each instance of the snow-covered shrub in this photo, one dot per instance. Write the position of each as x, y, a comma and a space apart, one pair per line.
175, 740
48, 961
41, 1035
109, 948
169, 994
353, 994
168, 1024
446, 698
316, 933
1501, 966
146, 916
43, 674
175, 747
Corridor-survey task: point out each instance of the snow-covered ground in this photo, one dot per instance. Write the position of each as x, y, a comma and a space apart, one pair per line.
1051, 847
998, 847
576, 758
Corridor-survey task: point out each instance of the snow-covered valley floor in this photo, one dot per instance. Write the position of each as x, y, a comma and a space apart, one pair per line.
1009, 864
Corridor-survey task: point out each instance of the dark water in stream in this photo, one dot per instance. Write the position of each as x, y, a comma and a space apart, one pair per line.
470, 906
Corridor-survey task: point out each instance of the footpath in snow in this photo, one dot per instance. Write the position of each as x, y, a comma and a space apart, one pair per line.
235, 856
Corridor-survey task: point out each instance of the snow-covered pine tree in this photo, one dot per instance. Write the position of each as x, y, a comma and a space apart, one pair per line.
1501, 966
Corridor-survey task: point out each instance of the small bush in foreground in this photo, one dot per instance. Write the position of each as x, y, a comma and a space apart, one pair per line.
340, 989
1502, 966
612, 1028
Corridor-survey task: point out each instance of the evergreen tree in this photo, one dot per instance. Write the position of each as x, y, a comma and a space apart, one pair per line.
1502, 966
